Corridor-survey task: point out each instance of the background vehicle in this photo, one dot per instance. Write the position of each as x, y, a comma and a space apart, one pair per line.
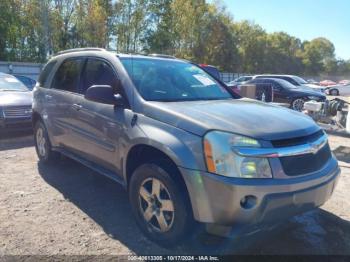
336, 90
327, 83
344, 82
27, 81
239, 81
285, 92
261, 92
313, 81
15, 104
211, 70
186, 149
294, 80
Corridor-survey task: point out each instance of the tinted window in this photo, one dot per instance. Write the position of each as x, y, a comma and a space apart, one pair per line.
45, 73
290, 80
68, 75
98, 72
285, 84
213, 71
247, 78
276, 86
299, 80
168, 80
257, 81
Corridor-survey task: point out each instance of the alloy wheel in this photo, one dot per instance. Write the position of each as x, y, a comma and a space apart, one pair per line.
156, 205
41, 142
298, 104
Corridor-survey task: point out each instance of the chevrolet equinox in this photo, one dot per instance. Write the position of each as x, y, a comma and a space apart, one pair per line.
186, 149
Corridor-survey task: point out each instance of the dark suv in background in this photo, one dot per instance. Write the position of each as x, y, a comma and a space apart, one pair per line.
296, 81
186, 149
285, 92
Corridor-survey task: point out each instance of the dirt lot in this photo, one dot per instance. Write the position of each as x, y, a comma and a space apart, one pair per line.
66, 208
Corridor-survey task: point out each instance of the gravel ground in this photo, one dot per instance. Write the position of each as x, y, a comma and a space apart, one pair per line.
67, 209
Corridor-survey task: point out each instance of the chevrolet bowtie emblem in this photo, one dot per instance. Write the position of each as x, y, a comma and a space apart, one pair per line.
315, 148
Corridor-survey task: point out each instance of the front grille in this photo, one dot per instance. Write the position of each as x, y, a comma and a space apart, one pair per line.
298, 140
308, 163
17, 111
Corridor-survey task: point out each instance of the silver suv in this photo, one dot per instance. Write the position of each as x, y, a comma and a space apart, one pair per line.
185, 148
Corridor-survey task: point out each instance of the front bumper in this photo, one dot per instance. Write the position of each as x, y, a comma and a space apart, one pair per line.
15, 124
219, 200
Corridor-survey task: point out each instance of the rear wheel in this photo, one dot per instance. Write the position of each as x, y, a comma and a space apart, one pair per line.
160, 207
298, 104
42, 143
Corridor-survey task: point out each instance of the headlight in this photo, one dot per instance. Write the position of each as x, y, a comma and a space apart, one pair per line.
221, 159
313, 97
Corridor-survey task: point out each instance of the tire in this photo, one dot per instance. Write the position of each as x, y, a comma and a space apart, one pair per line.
165, 217
298, 104
42, 144
334, 92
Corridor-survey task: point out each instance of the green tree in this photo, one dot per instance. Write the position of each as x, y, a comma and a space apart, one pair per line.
281, 54
316, 54
90, 24
10, 25
252, 46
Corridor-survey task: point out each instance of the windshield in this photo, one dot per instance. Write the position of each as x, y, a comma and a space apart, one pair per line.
285, 84
10, 83
299, 80
169, 80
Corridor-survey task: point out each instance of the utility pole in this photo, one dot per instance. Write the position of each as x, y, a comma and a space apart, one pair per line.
47, 33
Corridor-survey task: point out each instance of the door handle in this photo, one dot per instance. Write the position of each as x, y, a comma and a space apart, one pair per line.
77, 107
48, 97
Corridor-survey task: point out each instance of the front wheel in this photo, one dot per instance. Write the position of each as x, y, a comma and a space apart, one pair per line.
159, 205
334, 92
298, 104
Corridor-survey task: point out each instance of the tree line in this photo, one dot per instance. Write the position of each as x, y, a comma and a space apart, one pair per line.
33, 30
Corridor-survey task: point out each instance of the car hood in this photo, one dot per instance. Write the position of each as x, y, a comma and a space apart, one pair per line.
310, 91
241, 116
15, 98
313, 86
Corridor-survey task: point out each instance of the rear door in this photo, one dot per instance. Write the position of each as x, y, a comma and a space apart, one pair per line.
60, 100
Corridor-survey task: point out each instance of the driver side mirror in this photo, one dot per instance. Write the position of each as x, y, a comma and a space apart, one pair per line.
104, 94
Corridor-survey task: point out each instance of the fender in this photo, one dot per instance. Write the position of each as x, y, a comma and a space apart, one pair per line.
182, 147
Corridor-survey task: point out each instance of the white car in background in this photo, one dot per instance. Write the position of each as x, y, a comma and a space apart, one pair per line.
239, 81
339, 90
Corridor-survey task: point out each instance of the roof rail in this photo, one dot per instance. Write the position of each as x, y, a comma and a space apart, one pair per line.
162, 56
80, 49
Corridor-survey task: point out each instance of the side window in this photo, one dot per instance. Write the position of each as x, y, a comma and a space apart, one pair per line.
45, 73
276, 86
98, 72
68, 75
290, 80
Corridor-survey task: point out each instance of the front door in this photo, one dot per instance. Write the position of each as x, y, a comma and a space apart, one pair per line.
100, 125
